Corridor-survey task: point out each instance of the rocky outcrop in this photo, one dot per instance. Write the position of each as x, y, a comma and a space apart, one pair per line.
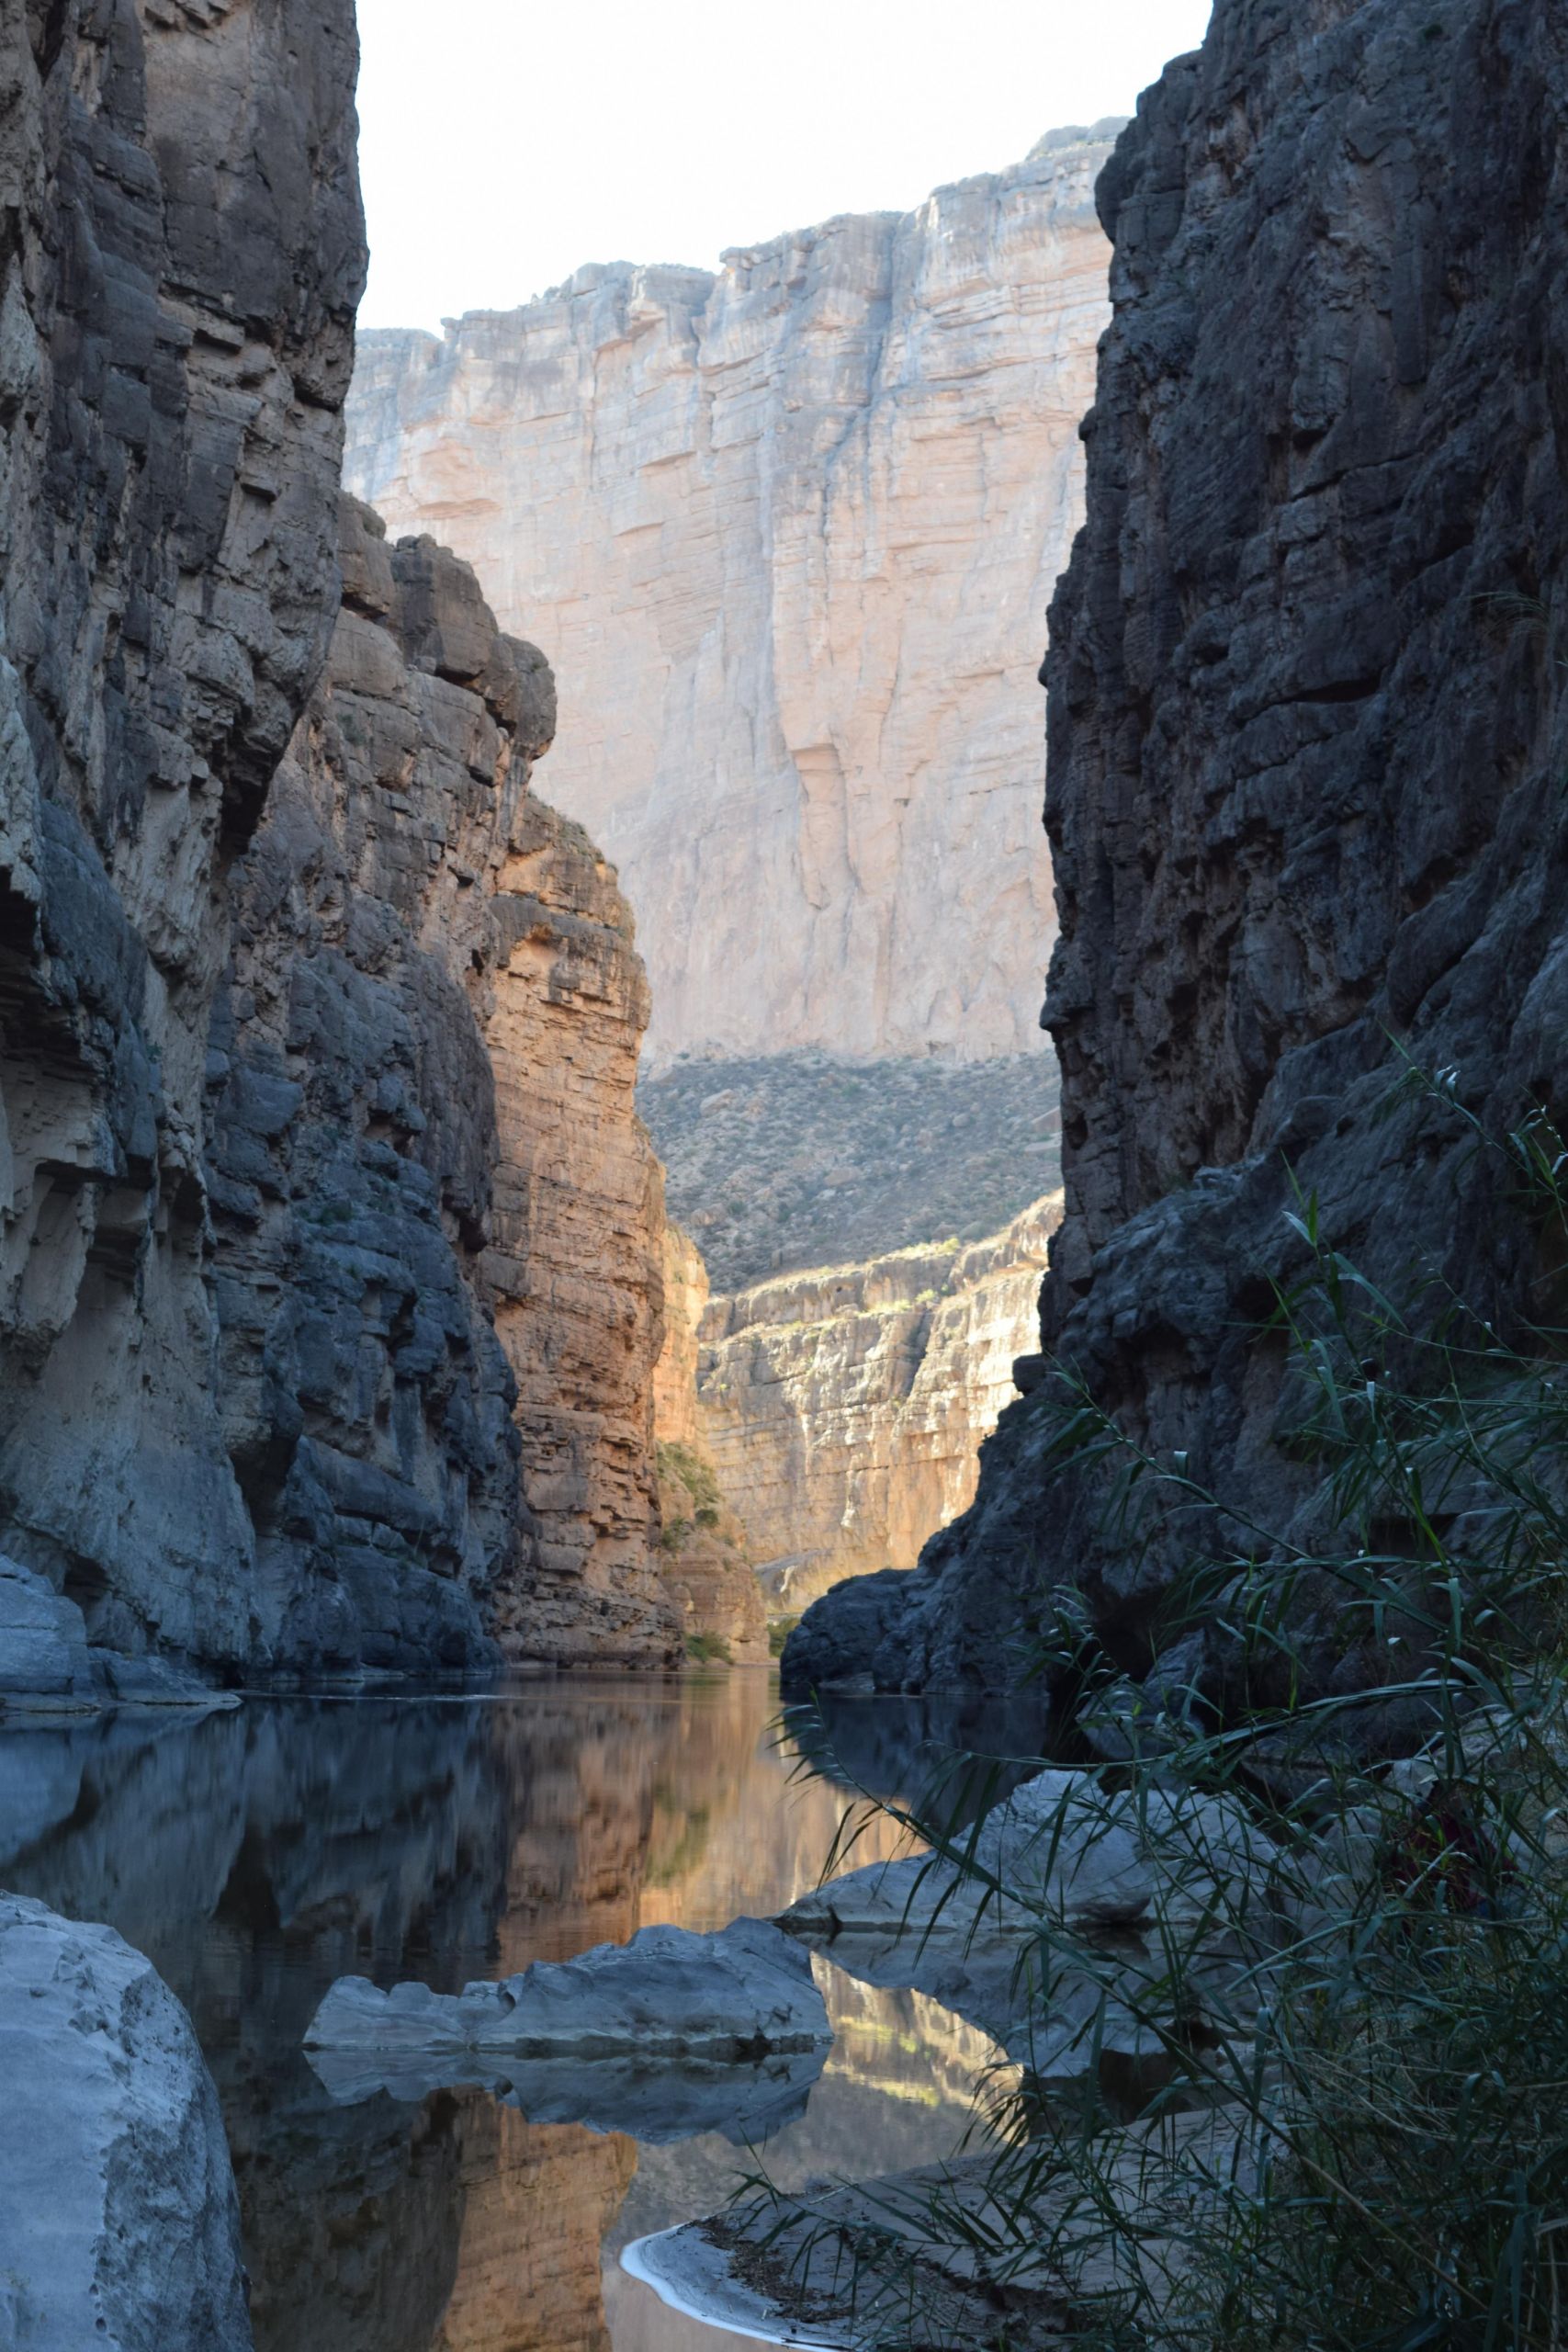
119, 2220
667, 1993
843, 1411
1307, 733
787, 535
437, 1215
181, 254
321, 1346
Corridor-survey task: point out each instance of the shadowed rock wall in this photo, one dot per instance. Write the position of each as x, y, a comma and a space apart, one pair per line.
1307, 740
252, 1409
181, 254
437, 1214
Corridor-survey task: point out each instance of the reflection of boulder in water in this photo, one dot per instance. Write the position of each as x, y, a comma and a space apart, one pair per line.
898, 1748
659, 2105
257, 1856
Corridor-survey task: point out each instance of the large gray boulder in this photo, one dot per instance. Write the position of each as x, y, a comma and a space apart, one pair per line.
667, 1994
44, 1645
120, 2227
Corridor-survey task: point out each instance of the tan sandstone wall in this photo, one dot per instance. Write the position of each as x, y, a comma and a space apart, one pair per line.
843, 1411
787, 535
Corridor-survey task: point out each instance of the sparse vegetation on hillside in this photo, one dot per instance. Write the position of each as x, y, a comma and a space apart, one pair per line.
804, 1160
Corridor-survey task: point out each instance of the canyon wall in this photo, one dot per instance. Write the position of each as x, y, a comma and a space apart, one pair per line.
786, 536
1307, 736
182, 253
706, 1551
843, 1410
330, 1283
436, 1214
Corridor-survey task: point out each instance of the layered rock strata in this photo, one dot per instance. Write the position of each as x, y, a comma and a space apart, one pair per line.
787, 535
180, 260
843, 1411
438, 1219
1307, 733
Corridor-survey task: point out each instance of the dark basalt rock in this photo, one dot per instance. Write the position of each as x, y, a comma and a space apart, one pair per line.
1307, 739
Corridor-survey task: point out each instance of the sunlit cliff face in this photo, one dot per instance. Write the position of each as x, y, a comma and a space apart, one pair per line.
787, 535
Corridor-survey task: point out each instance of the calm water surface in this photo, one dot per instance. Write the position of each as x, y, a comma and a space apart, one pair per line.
257, 1855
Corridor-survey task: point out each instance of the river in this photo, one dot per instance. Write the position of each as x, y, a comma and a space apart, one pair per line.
256, 1855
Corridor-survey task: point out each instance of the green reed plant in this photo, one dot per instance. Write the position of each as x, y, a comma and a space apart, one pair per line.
1316, 2100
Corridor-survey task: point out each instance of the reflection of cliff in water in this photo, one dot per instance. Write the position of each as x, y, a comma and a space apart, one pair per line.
259, 1854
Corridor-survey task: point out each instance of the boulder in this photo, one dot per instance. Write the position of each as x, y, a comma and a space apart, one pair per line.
44, 1645
667, 1996
1082, 1925
120, 2227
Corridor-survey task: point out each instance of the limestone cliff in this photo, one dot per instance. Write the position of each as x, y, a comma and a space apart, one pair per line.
436, 1213
180, 257
786, 536
1307, 737
843, 1410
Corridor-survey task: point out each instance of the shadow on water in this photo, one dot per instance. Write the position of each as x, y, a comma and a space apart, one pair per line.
257, 1855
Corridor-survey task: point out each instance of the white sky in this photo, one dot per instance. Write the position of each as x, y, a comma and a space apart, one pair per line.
505, 144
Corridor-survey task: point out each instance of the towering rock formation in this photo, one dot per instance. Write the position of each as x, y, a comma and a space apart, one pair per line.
1307, 738
786, 536
423, 1126
843, 1411
182, 255
274, 1286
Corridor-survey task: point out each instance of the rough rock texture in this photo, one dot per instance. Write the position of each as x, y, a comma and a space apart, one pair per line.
422, 1117
787, 535
668, 1992
707, 1567
1307, 735
180, 258
843, 1411
118, 2221
813, 1160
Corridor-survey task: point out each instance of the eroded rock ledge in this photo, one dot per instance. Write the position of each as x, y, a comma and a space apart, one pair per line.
844, 1409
